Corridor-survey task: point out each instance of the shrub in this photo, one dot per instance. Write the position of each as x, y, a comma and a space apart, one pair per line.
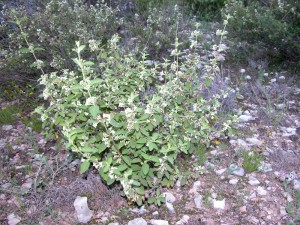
54, 26
132, 120
156, 31
272, 24
8, 115
207, 9
252, 161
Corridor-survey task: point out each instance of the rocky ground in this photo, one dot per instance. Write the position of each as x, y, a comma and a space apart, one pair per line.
252, 177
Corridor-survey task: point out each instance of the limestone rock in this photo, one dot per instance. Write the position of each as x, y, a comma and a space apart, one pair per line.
219, 204
198, 201
13, 219
83, 213
159, 222
137, 221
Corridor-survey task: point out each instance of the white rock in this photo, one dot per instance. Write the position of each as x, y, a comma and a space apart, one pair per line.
113, 224
296, 184
2, 143
195, 188
247, 113
296, 91
198, 201
291, 130
273, 80
245, 118
239, 172
2, 197
7, 127
169, 197
83, 213
137, 221
265, 167
5, 186
13, 219
253, 181
289, 198
254, 141
248, 77
280, 106
283, 211
221, 171
155, 213
261, 191
219, 204
281, 78
234, 181
140, 211
184, 220
242, 143
243, 209
170, 207
159, 222
28, 184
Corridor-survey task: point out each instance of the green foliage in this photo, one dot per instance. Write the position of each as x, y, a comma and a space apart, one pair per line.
272, 25
252, 161
131, 120
34, 122
207, 9
52, 29
8, 115
160, 26
11, 91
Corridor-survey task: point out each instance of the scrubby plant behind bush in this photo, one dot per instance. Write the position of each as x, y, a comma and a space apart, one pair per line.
207, 9
54, 26
131, 120
275, 25
155, 31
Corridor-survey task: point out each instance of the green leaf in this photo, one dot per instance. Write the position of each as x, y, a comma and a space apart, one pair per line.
142, 141
144, 182
152, 146
39, 49
135, 183
96, 81
110, 181
183, 181
136, 160
122, 167
84, 166
145, 156
115, 123
88, 63
145, 168
151, 200
154, 159
81, 47
139, 202
140, 190
87, 149
144, 132
127, 160
24, 50
144, 116
103, 55
132, 144
94, 110
101, 148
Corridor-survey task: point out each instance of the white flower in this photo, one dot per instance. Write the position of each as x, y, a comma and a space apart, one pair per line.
242, 71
